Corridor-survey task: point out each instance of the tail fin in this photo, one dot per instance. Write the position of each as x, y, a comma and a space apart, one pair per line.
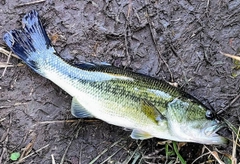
32, 42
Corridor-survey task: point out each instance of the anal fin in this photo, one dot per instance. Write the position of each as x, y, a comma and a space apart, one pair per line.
78, 110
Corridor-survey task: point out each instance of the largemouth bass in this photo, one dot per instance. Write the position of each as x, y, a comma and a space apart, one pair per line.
150, 107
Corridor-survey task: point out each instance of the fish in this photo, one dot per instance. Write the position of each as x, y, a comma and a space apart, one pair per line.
150, 107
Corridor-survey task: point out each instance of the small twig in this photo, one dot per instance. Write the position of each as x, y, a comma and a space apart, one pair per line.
69, 144
64, 121
66, 150
9, 106
5, 52
4, 64
31, 3
8, 54
5, 68
104, 151
3, 119
126, 46
207, 6
129, 159
2, 107
57, 121
200, 157
80, 155
28, 147
33, 153
136, 154
230, 104
155, 44
127, 33
231, 56
4, 150
53, 160
234, 159
215, 155
105, 161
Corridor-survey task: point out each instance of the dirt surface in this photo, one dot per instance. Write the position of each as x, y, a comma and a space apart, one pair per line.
179, 41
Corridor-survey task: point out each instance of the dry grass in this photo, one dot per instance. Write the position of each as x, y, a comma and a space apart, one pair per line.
7, 63
231, 56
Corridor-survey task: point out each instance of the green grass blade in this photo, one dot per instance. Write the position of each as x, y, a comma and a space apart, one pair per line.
178, 154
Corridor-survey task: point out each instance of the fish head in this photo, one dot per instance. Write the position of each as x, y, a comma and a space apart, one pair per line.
191, 122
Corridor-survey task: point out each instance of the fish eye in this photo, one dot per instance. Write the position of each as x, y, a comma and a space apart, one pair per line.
210, 114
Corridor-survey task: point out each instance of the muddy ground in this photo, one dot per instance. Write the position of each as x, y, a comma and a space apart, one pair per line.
176, 40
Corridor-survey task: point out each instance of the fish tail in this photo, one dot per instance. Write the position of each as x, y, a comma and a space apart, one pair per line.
31, 44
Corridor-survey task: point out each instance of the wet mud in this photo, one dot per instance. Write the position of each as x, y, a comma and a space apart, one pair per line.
178, 41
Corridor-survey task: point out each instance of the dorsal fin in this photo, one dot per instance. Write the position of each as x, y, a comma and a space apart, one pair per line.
91, 65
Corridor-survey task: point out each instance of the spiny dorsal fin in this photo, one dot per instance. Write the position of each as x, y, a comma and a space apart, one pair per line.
78, 110
92, 65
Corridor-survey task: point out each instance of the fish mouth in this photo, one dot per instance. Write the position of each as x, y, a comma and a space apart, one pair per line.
212, 131
212, 134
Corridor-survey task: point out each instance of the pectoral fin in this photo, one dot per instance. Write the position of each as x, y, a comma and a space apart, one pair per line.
152, 112
78, 110
138, 134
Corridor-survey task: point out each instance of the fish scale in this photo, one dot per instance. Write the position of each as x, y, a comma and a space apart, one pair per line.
150, 107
